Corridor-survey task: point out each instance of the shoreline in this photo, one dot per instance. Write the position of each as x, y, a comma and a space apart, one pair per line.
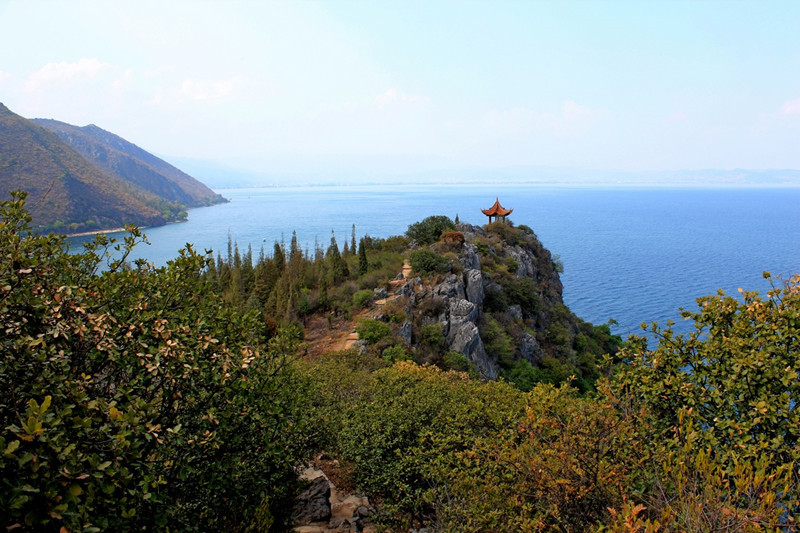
97, 232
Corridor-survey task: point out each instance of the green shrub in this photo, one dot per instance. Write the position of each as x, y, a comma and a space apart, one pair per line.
363, 298
525, 376
429, 230
433, 335
734, 378
337, 381
483, 248
407, 428
134, 399
396, 244
496, 340
495, 300
526, 229
453, 360
397, 352
560, 468
506, 232
372, 331
523, 291
426, 262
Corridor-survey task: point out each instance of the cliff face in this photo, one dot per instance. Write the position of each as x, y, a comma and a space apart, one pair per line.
499, 303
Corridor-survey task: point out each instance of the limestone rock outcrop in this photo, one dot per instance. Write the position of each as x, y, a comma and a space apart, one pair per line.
457, 298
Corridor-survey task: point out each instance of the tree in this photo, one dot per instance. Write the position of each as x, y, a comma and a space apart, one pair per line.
136, 398
735, 377
337, 267
428, 230
718, 411
427, 262
363, 264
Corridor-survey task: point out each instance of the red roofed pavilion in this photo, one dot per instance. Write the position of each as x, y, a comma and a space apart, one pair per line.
497, 211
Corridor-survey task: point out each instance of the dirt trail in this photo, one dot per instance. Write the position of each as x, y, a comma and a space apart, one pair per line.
395, 284
323, 337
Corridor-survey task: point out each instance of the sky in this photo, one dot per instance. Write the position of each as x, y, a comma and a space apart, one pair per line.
413, 86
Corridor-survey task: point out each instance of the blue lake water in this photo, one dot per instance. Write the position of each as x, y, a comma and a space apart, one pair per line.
632, 255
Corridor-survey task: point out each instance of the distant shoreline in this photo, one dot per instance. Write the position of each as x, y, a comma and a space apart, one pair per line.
96, 232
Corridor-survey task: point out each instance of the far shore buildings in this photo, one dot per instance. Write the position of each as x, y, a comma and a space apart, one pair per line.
497, 211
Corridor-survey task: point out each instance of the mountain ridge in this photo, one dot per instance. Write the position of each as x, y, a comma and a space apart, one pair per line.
70, 192
120, 157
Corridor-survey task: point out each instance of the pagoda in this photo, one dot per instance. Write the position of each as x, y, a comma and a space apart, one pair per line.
497, 211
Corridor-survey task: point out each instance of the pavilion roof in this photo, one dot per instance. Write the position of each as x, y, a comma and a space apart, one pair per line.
496, 210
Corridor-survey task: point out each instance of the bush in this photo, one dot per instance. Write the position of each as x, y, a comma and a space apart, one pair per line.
363, 298
524, 292
396, 244
732, 383
403, 436
372, 331
426, 262
429, 230
559, 468
136, 398
457, 361
433, 335
451, 241
496, 340
397, 352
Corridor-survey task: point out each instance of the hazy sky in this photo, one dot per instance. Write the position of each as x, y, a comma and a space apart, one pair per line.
641, 85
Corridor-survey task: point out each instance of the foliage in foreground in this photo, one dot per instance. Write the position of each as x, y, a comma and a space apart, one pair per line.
135, 398
698, 434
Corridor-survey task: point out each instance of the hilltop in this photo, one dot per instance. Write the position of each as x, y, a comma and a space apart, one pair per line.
94, 180
481, 299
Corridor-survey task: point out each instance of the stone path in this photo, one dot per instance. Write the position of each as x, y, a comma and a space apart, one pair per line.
348, 512
395, 284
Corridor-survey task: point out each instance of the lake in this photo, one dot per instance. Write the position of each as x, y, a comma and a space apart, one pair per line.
634, 255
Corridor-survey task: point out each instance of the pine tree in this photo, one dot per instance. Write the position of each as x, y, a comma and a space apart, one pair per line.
363, 265
278, 258
337, 267
295, 261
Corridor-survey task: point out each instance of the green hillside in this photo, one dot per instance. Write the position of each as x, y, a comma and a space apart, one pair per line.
114, 155
69, 193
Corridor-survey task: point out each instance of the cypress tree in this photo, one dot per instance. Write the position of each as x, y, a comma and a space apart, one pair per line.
363, 265
278, 258
337, 268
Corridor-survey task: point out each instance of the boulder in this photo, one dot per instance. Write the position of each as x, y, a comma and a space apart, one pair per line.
466, 340
314, 504
529, 348
407, 290
452, 286
524, 259
462, 311
380, 294
470, 259
405, 332
473, 281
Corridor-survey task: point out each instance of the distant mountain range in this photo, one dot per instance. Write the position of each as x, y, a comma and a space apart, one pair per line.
86, 179
367, 170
